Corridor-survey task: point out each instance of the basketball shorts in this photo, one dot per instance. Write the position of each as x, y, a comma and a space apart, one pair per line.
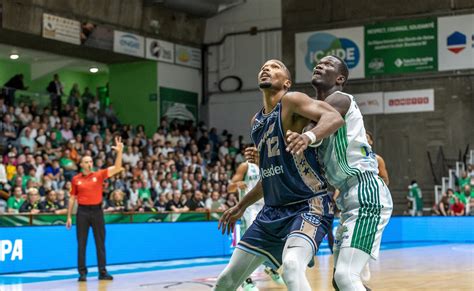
366, 207
267, 236
250, 215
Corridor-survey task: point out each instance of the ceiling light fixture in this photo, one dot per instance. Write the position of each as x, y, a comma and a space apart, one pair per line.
93, 70
14, 56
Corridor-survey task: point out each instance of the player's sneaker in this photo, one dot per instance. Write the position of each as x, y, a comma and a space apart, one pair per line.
275, 276
248, 285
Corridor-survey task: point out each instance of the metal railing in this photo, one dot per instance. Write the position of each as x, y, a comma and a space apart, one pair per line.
41, 99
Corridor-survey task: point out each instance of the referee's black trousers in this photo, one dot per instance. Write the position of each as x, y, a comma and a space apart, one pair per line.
90, 216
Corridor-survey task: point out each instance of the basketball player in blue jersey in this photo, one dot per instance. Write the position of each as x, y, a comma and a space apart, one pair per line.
297, 210
351, 167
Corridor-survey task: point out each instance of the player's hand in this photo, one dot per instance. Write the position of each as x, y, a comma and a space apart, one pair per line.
68, 223
296, 143
118, 144
241, 185
229, 218
251, 155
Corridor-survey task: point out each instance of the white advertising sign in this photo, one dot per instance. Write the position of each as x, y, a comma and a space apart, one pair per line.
347, 43
456, 42
159, 50
370, 103
129, 44
409, 101
62, 29
188, 56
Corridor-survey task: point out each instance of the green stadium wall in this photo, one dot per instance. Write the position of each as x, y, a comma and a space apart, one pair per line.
133, 93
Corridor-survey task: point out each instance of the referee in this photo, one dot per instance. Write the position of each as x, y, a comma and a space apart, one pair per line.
87, 190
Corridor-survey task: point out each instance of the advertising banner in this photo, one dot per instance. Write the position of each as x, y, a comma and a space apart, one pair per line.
404, 46
97, 36
159, 50
187, 56
347, 43
129, 44
370, 103
409, 101
33, 248
178, 104
48, 219
62, 29
456, 42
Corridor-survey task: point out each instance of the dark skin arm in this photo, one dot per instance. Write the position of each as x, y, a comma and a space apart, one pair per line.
298, 110
382, 170
340, 102
231, 215
237, 180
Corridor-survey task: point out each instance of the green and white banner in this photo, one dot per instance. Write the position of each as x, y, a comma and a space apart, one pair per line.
398, 47
178, 104
49, 219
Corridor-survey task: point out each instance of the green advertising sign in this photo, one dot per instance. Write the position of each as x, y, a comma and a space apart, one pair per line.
404, 46
178, 104
48, 219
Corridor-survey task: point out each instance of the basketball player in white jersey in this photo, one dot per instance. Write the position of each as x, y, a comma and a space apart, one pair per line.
351, 167
383, 173
245, 179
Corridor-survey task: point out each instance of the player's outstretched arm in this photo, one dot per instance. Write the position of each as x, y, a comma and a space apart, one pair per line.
231, 215
328, 120
238, 178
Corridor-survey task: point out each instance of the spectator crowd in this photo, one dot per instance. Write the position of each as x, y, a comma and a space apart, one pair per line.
181, 167
461, 201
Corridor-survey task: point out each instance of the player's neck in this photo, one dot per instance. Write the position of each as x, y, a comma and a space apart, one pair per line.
324, 93
271, 99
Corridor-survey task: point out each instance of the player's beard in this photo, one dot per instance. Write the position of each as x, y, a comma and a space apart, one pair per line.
265, 85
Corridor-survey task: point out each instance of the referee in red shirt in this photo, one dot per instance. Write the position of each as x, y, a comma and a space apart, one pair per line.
87, 190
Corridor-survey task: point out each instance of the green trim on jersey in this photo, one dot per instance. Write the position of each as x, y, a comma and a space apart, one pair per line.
341, 152
369, 213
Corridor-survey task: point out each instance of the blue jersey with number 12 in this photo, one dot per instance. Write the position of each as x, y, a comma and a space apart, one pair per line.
286, 178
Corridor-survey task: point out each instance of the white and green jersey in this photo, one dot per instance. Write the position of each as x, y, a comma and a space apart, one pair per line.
251, 179
346, 153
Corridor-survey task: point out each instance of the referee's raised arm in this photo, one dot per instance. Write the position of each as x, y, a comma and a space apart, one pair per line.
117, 167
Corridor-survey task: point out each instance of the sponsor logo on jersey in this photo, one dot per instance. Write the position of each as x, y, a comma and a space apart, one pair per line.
272, 171
367, 152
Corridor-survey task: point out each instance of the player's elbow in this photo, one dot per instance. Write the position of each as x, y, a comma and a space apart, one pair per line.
337, 120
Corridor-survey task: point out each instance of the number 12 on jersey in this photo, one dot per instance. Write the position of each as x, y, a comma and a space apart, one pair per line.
272, 145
